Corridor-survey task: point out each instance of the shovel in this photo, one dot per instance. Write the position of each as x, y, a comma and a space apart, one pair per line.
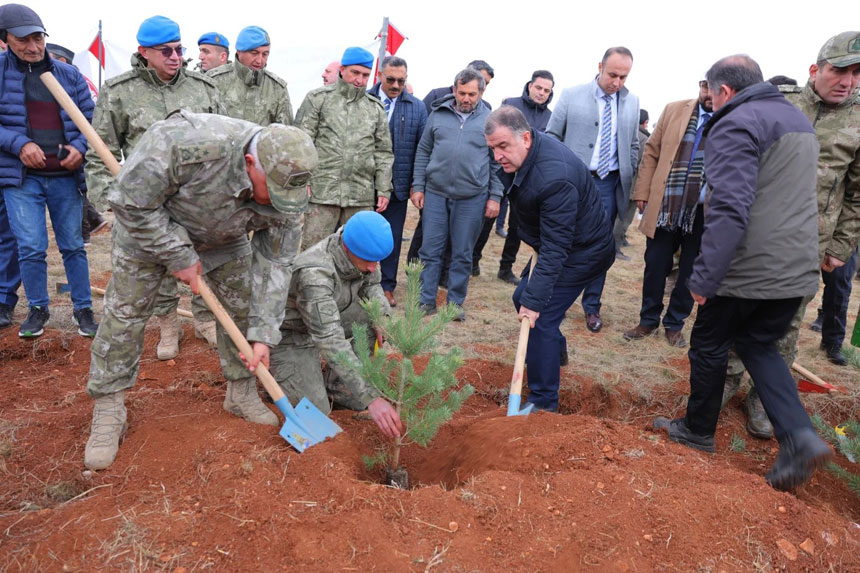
305, 425
515, 394
814, 384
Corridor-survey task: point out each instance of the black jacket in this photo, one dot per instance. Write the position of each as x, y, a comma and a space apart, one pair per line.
536, 114
560, 215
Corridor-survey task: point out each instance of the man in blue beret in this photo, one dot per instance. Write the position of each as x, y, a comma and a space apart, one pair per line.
350, 130
157, 84
214, 50
248, 90
329, 280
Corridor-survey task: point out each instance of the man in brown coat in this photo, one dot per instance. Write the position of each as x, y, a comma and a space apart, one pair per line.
670, 192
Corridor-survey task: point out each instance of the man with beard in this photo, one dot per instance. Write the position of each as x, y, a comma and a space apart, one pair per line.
670, 191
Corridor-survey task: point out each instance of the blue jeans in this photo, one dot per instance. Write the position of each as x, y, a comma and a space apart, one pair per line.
546, 343
461, 220
834, 303
594, 290
10, 273
26, 209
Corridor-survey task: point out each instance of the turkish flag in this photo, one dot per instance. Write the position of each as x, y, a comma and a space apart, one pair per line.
395, 38
94, 50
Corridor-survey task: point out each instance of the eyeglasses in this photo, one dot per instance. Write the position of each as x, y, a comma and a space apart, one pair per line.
167, 51
398, 81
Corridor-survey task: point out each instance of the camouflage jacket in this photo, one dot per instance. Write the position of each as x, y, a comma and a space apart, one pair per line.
838, 131
324, 302
184, 195
350, 131
132, 101
258, 96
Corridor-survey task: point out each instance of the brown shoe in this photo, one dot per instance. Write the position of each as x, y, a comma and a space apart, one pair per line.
640, 332
389, 296
675, 338
593, 322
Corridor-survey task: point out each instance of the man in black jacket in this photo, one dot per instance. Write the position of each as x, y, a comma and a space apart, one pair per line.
561, 216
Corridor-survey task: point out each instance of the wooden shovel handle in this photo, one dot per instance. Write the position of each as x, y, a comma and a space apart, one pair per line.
80, 121
238, 339
520, 359
812, 377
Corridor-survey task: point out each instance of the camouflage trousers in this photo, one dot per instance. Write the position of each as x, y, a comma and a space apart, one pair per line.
323, 220
787, 345
129, 302
167, 301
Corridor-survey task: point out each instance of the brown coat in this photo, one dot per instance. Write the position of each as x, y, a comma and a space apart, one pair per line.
660, 151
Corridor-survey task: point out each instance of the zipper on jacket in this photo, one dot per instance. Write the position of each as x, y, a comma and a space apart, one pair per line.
402, 125
830, 193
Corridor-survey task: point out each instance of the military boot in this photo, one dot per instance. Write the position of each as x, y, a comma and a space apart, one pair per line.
242, 400
733, 383
206, 331
170, 335
758, 424
107, 430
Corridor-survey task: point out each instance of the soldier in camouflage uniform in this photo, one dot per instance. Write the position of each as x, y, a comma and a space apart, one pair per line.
831, 103
248, 90
329, 280
214, 51
350, 130
128, 104
185, 200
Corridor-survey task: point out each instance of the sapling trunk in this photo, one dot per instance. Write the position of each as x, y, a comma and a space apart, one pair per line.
398, 441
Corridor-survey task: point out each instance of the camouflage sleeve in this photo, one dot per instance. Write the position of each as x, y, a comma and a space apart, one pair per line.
273, 252
383, 154
308, 117
285, 109
319, 312
111, 129
372, 289
847, 230
137, 197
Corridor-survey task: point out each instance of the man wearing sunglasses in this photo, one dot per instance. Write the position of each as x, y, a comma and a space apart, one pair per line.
248, 90
185, 200
128, 105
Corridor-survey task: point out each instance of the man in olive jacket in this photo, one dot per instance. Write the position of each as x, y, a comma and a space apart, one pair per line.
349, 128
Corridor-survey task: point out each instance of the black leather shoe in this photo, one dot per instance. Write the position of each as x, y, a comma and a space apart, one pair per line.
834, 354
593, 322
508, 276
800, 454
679, 432
5, 315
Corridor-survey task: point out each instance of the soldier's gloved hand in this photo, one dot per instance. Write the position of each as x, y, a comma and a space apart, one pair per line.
189, 276
261, 355
385, 417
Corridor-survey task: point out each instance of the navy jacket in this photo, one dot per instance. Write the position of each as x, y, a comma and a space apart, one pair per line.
439, 93
537, 114
13, 114
560, 215
406, 126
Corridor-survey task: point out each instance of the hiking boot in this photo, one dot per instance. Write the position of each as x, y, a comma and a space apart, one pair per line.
206, 331
675, 338
107, 430
800, 454
834, 354
170, 335
428, 309
34, 325
508, 276
5, 315
733, 383
243, 400
818, 323
679, 432
639, 332
758, 424
87, 325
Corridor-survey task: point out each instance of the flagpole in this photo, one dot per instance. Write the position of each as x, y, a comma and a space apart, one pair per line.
382, 45
101, 55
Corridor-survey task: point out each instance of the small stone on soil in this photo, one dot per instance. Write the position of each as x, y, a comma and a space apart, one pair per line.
782, 509
808, 546
648, 537
788, 549
453, 526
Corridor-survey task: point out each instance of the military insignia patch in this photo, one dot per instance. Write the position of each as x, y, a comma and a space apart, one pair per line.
855, 45
327, 312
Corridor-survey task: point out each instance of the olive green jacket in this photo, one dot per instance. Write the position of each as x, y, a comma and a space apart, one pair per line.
253, 95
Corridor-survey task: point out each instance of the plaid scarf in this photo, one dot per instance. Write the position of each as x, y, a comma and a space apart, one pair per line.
678, 210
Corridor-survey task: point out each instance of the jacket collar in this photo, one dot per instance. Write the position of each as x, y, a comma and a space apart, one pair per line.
43, 65
531, 103
348, 91
622, 93
138, 63
759, 91
524, 169
405, 96
810, 95
249, 76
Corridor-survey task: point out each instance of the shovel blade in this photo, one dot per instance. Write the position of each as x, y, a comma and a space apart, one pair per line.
305, 425
514, 401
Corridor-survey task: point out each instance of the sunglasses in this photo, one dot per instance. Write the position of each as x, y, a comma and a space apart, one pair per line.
167, 51
398, 81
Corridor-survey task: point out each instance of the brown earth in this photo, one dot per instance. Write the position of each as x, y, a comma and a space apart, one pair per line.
194, 487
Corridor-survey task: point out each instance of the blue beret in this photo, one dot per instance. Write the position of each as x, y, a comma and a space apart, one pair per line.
215, 39
156, 31
252, 37
368, 236
356, 56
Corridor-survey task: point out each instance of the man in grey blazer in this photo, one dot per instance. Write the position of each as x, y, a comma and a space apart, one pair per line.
599, 121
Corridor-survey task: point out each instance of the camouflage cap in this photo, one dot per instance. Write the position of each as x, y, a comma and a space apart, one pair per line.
287, 156
842, 50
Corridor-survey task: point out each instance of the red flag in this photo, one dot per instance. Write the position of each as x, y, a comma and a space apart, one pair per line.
94, 50
395, 38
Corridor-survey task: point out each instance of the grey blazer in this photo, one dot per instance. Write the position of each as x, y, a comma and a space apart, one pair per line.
575, 123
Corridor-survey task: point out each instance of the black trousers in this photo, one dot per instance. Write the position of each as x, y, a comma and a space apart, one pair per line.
512, 242
753, 327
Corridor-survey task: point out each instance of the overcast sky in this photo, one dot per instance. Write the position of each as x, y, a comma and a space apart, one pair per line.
673, 43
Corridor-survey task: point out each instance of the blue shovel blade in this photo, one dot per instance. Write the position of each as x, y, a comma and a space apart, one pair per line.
514, 401
305, 425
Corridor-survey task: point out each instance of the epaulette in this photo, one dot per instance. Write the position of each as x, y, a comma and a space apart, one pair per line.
123, 77
322, 89
220, 70
200, 76
278, 79
376, 100
790, 89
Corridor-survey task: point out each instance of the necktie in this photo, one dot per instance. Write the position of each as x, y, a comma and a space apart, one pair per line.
387, 103
698, 140
605, 138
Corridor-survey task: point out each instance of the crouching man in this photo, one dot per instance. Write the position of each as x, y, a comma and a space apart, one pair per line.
329, 281
188, 195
